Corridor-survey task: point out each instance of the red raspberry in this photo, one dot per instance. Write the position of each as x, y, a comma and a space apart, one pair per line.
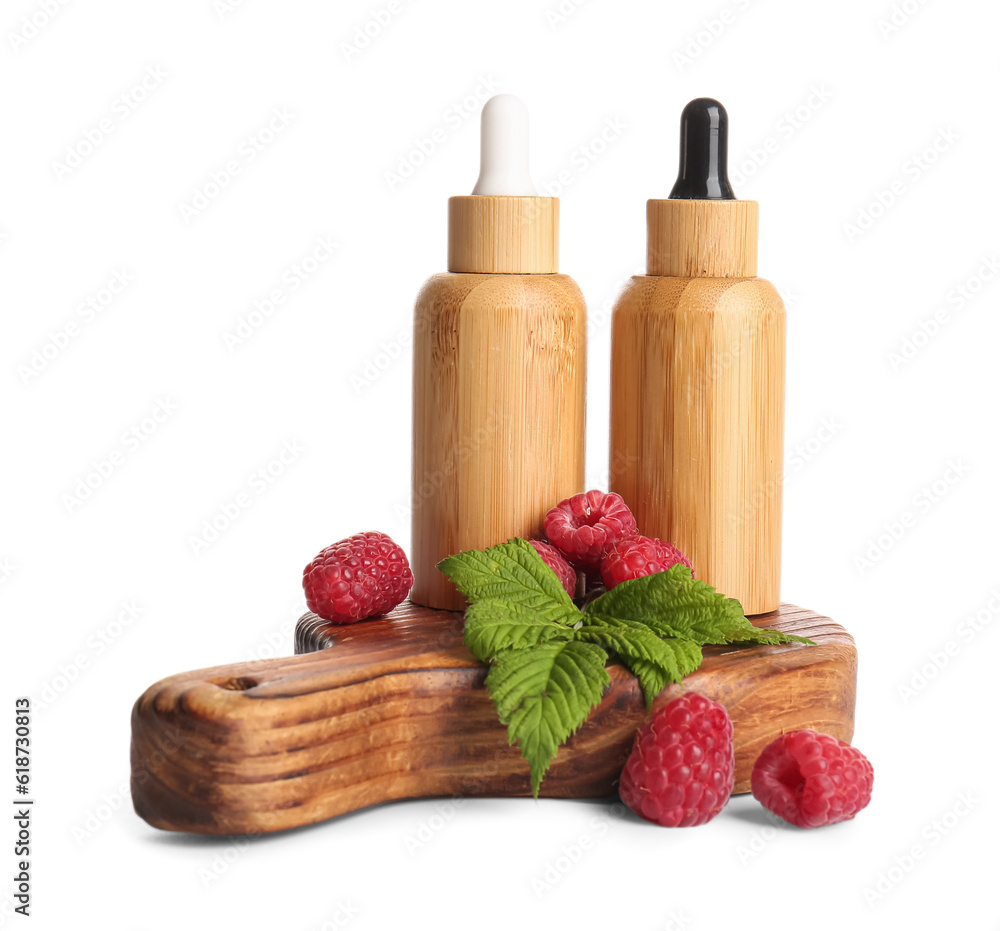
554, 560
680, 772
632, 559
583, 528
364, 575
811, 779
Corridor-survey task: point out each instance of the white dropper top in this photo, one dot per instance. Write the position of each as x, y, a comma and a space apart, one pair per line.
503, 149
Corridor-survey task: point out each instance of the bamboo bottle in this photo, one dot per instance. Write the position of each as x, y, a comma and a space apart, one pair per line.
698, 378
499, 368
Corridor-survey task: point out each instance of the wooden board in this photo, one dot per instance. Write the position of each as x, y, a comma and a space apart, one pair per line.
395, 708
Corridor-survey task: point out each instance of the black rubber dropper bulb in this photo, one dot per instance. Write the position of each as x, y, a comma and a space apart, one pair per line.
704, 145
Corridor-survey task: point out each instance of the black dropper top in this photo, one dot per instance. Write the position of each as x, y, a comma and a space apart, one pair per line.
704, 145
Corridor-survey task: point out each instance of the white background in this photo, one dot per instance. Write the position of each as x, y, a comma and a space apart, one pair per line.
871, 104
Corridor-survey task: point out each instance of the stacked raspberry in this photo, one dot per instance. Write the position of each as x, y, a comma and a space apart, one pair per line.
596, 533
557, 563
587, 526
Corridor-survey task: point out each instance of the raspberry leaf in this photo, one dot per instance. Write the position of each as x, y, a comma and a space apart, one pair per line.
673, 604
549, 657
493, 625
653, 660
544, 694
653, 679
512, 571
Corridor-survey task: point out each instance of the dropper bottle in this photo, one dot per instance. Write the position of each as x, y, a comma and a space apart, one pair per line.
698, 378
499, 367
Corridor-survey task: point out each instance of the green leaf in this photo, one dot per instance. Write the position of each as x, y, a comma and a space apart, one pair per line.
493, 625
516, 600
549, 657
544, 694
652, 679
512, 571
673, 604
654, 661
769, 636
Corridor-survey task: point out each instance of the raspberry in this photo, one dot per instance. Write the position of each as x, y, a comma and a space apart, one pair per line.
554, 560
639, 556
811, 779
680, 772
583, 528
364, 575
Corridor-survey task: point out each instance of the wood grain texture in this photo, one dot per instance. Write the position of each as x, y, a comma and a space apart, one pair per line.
697, 424
396, 708
701, 238
499, 385
494, 234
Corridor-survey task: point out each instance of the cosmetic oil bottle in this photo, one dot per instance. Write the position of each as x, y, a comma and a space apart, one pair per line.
698, 378
499, 368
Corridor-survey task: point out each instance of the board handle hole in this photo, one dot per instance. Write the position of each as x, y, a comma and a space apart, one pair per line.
236, 683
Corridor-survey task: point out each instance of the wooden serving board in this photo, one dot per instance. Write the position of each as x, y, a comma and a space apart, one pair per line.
395, 708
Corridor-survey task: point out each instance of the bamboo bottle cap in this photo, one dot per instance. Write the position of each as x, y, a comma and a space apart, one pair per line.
503, 227
491, 234
701, 238
702, 231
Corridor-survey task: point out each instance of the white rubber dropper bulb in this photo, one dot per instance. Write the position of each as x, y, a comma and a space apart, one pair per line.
503, 149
